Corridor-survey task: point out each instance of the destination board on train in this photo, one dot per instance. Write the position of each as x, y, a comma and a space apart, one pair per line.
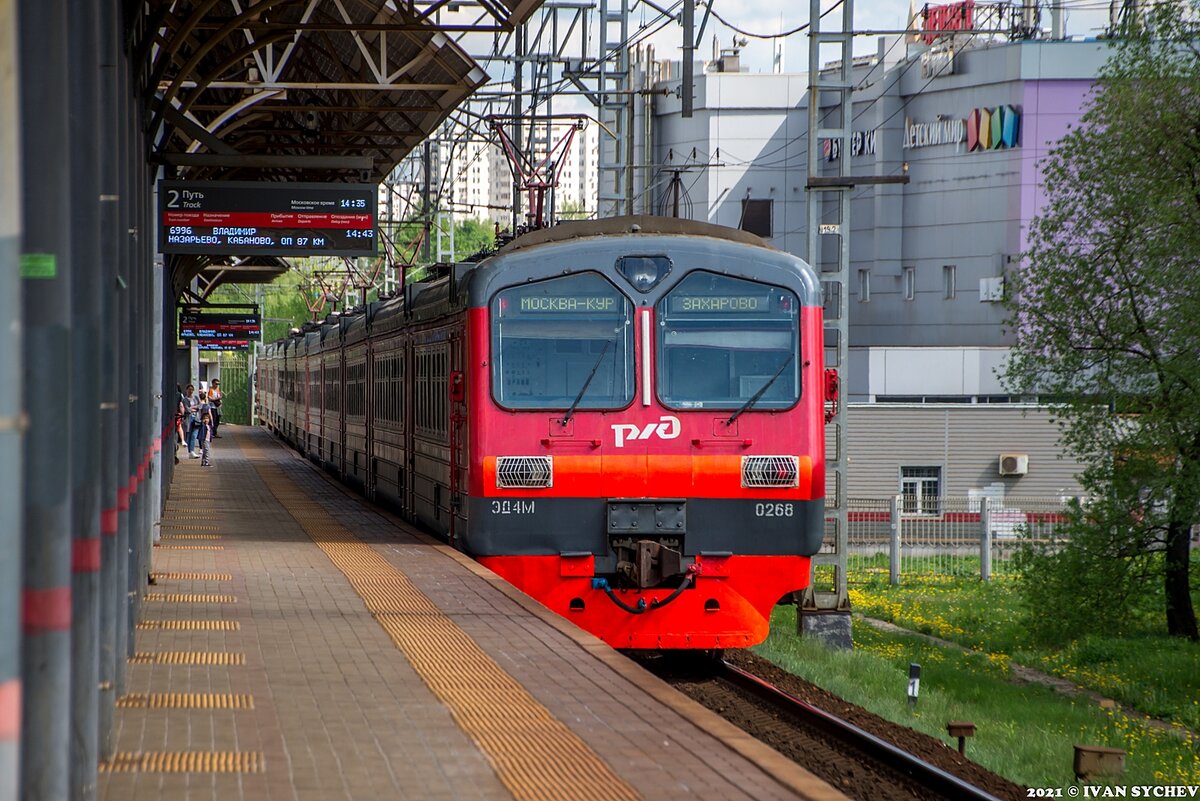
248, 218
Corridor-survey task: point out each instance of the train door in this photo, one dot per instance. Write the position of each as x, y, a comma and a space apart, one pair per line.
307, 418
458, 434
410, 396
369, 415
324, 404
340, 452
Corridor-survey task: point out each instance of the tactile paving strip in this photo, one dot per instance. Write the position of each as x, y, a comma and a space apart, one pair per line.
190, 625
184, 762
191, 536
187, 527
192, 547
191, 576
535, 755
187, 658
186, 701
189, 598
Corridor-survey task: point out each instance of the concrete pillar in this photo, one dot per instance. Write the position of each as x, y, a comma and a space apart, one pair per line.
123, 375
83, 48
985, 539
45, 294
11, 417
897, 506
112, 592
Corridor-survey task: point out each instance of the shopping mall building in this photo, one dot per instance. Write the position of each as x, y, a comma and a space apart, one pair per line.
929, 258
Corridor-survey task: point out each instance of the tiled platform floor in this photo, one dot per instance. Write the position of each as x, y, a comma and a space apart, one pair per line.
382, 665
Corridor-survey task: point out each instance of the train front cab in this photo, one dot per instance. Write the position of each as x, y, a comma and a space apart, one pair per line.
648, 451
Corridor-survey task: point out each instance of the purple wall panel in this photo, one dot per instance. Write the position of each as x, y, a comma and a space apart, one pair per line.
1050, 109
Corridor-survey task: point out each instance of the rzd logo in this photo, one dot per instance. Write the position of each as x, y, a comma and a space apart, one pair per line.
667, 427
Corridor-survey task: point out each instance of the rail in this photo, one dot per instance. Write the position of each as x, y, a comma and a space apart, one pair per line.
929, 776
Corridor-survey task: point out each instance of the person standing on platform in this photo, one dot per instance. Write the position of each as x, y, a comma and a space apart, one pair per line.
214, 399
192, 423
180, 416
205, 413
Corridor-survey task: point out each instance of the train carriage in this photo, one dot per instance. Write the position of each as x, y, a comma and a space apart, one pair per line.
624, 419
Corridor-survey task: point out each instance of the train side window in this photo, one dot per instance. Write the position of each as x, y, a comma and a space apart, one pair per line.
432, 405
563, 342
723, 341
399, 385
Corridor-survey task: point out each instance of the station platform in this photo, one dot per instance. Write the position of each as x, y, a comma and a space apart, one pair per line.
300, 643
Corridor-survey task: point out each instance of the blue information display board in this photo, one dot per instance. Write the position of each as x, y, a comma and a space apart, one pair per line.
247, 218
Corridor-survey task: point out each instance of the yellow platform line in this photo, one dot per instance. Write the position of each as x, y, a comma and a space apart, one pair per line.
186, 701
190, 625
535, 755
190, 598
184, 762
191, 576
187, 658
192, 547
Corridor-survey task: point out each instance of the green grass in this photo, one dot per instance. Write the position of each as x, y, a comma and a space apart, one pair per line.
1024, 732
1147, 670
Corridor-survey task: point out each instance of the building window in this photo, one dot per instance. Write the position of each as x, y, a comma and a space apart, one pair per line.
864, 286
910, 283
756, 217
921, 490
949, 281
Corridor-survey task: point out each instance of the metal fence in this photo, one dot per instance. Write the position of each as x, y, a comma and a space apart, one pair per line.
952, 537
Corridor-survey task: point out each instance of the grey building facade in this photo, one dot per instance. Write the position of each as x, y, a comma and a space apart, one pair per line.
929, 258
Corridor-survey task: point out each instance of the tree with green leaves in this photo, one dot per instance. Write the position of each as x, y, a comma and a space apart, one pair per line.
1106, 313
573, 210
472, 236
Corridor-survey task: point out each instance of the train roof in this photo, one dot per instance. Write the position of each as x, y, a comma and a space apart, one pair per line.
637, 223
452, 285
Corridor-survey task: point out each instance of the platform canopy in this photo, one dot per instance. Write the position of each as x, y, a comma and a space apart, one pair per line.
299, 90
234, 270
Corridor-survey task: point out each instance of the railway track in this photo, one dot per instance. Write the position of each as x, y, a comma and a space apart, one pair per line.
858, 763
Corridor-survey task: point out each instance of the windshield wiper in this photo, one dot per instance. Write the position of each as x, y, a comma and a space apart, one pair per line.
753, 399
586, 384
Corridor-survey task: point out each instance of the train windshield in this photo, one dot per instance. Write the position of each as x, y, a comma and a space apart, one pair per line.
562, 343
724, 341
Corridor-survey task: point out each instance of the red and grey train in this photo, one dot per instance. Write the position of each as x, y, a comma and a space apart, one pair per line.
622, 418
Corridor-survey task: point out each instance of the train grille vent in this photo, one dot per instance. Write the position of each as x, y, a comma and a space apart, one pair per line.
524, 471
770, 471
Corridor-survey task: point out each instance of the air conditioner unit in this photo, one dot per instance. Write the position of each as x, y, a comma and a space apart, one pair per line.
1014, 464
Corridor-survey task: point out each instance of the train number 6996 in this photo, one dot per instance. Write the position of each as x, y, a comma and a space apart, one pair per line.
773, 510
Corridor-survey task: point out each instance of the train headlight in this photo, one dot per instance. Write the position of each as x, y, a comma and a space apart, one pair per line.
516, 472
644, 272
770, 471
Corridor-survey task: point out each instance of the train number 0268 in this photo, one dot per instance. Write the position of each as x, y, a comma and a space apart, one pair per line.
774, 510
